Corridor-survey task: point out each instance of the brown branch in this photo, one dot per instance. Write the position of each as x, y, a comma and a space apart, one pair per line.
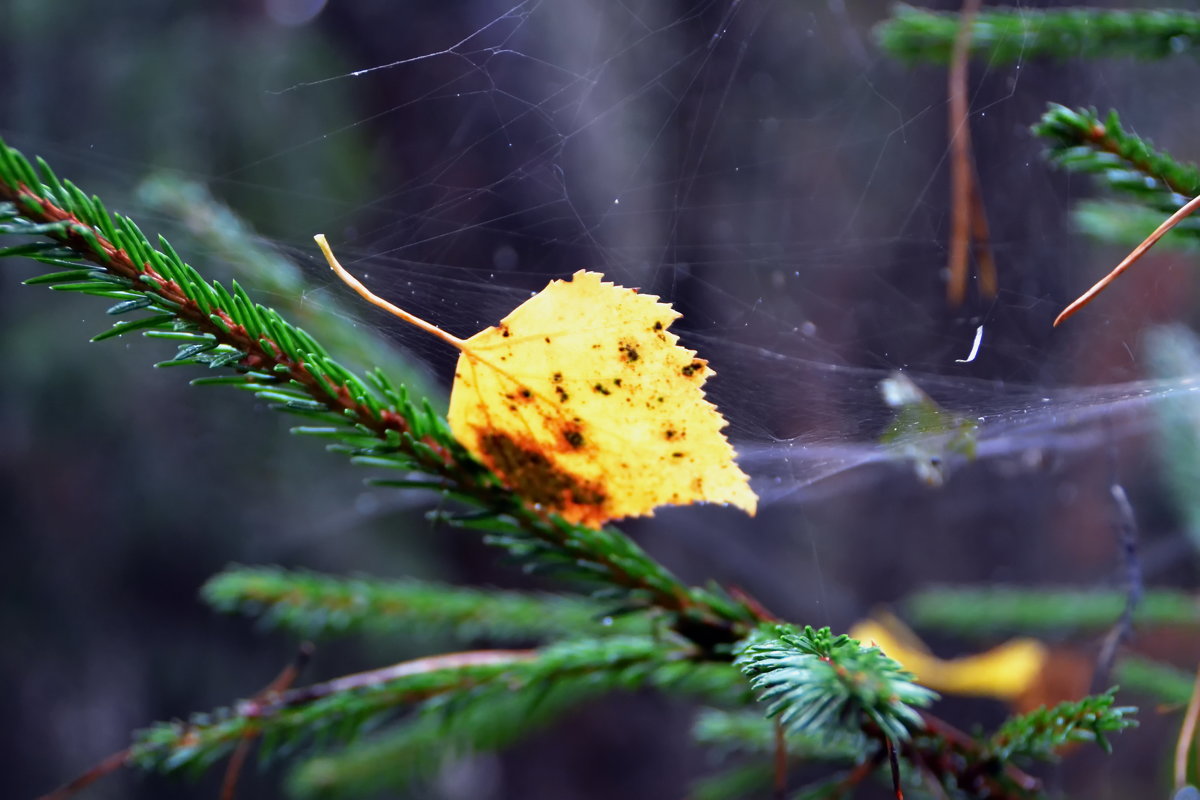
106, 767
1187, 733
960, 759
779, 785
968, 219
282, 681
1097, 136
894, 763
263, 707
860, 773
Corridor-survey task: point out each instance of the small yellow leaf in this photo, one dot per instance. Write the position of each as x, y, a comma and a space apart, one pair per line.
1006, 672
583, 403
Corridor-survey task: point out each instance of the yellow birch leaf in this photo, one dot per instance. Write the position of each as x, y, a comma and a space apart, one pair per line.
583, 403
1005, 672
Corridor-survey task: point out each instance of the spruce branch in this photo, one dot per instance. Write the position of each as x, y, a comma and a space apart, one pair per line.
416, 749
815, 681
981, 613
1079, 141
1043, 733
1125, 224
489, 718
230, 238
339, 710
1169, 685
748, 731
314, 605
937, 754
821, 684
1006, 36
369, 418
741, 781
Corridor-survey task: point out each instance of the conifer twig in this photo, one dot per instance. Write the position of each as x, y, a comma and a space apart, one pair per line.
1043, 733
1080, 141
370, 419
1008, 35
982, 613
348, 703
812, 678
226, 235
312, 604
1169, 685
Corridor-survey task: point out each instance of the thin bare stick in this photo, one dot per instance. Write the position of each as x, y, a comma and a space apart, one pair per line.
962, 198
1127, 539
358, 680
234, 770
781, 761
375, 300
985, 261
283, 680
1137, 253
1187, 732
894, 762
105, 767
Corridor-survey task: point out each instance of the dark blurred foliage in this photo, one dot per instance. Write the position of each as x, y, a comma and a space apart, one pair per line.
780, 173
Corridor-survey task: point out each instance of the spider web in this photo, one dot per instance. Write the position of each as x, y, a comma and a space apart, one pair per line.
762, 166
772, 174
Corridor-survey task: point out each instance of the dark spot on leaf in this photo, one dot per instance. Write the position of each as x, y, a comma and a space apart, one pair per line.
528, 472
629, 351
505, 332
574, 438
558, 377
677, 454
692, 368
658, 326
525, 393
599, 387
562, 395
616, 381
670, 433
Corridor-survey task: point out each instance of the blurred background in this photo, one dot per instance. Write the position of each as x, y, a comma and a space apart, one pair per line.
763, 166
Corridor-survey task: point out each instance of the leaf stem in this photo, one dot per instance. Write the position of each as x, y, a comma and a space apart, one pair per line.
375, 300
